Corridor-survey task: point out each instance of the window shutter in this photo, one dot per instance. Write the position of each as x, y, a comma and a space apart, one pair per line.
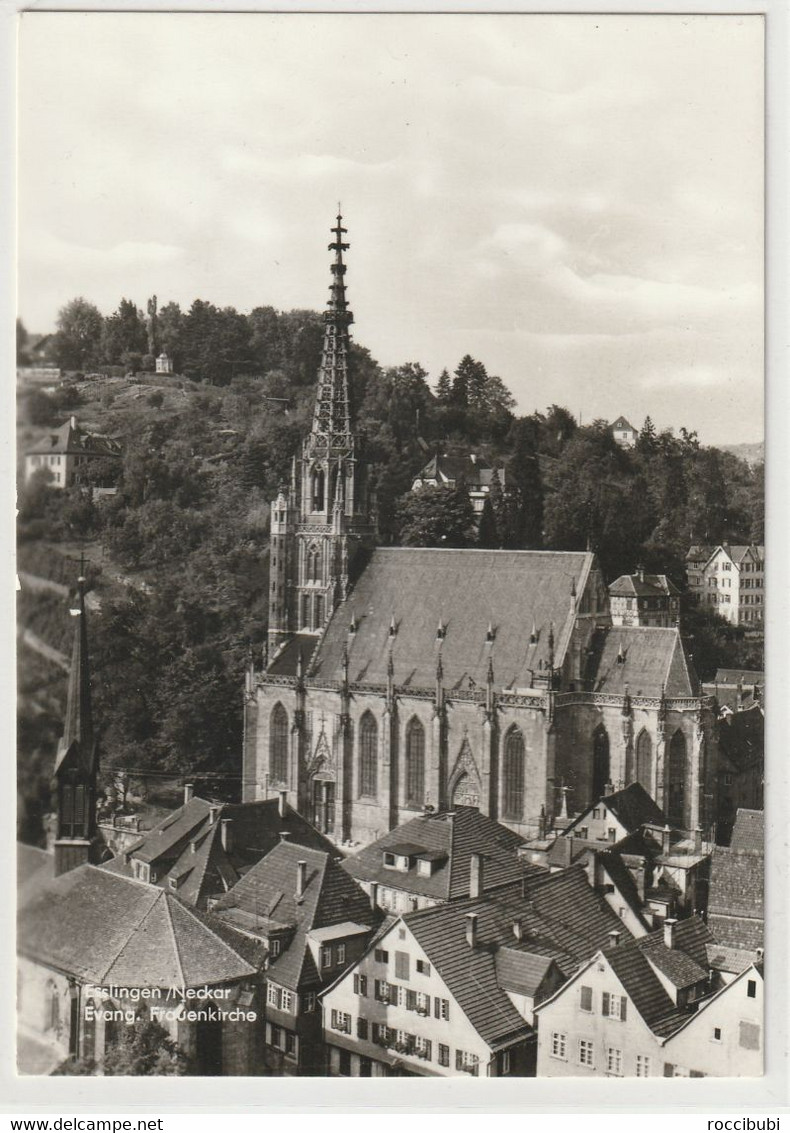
437, 1008
623, 1007
605, 1003
356, 985
586, 998
402, 965
669, 1070
411, 1000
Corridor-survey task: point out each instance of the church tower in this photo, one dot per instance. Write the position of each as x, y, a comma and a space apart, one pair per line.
76, 761
325, 516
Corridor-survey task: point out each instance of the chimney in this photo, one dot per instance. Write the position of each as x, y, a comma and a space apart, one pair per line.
285, 835
475, 875
193, 846
471, 929
189, 790
73, 421
213, 811
670, 924
666, 834
282, 804
301, 878
518, 930
374, 895
698, 840
760, 954
614, 938
226, 834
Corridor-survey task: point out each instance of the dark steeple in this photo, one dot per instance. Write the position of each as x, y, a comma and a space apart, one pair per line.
76, 761
331, 432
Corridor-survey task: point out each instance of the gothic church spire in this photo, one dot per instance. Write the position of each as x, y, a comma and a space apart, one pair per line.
331, 432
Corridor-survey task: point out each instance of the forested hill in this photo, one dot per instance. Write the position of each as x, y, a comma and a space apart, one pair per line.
178, 558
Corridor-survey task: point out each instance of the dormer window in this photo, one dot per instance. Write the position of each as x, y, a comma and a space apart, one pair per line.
424, 867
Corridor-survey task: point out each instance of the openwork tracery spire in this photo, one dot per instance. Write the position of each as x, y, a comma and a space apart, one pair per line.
331, 432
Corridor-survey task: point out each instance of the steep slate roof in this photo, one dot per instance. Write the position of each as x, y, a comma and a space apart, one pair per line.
71, 439
455, 836
286, 661
107, 929
739, 676
561, 918
522, 973
210, 869
467, 590
450, 467
748, 832
267, 894
622, 423
621, 877
683, 965
643, 586
654, 659
699, 552
631, 805
735, 897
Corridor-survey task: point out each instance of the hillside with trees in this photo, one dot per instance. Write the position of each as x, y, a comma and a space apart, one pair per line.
178, 557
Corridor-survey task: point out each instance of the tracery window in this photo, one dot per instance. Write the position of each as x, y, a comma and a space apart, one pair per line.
368, 752
415, 763
278, 744
513, 775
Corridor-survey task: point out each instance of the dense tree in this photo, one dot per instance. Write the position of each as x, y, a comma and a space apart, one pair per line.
78, 337
443, 388
436, 517
169, 329
124, 339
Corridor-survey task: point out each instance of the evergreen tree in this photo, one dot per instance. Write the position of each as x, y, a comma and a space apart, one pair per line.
443, 388
487, 533
527, 487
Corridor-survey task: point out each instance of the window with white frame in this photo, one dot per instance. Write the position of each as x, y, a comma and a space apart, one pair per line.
614, 1060
615, 1006
340, 958
559, 1045
642, 1066
309, 1001
441, 1009
423, 967
285, 1000
467, 1062
586, 1053
326, 956
341, 1021
273, 995
360, 985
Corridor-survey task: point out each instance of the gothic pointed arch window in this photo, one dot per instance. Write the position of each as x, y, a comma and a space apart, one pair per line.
513, 775
644, 760
278, 744
415, 763
600, 768
368, 755
676, 793
313, 563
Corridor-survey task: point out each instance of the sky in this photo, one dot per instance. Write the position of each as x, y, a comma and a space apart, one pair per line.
577, 201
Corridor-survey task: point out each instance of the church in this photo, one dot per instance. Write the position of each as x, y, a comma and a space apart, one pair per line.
399, 679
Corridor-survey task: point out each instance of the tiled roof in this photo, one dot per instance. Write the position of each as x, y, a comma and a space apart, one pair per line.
210, 869
699, 553
268, 891
286, 661
108, 929
468, 591
645, 658
683, 965
739, 676
448, 467
643, 586
724, 958
68, 438
621, 877
456, 835
622, 423
560, 916
632, 805
748, 832
519, 972
735, 897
